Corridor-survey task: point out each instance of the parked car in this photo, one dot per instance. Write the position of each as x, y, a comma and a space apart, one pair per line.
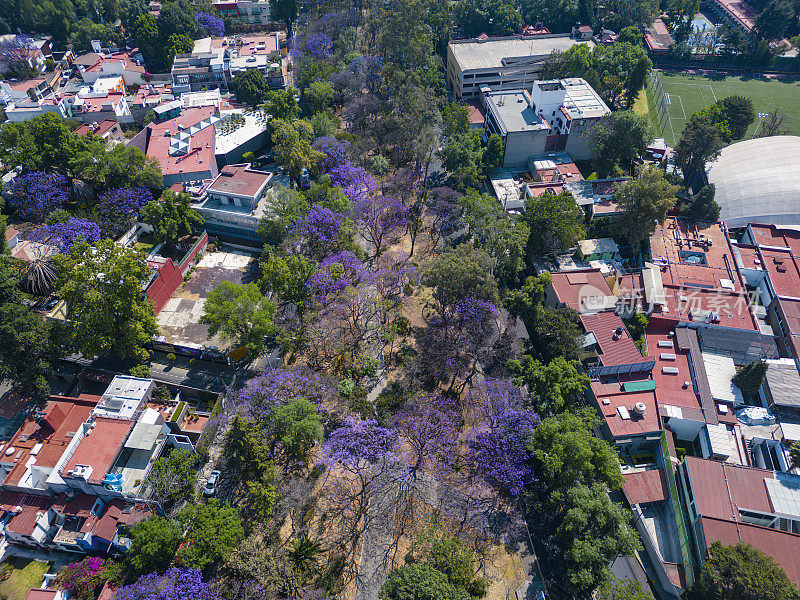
211, 484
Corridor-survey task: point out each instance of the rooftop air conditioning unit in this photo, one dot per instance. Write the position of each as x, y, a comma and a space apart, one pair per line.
640, 408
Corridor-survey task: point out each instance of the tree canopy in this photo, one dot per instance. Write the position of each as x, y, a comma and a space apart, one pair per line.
102, 286
555, 222
617, 140
171, 217
644, 201
212, 530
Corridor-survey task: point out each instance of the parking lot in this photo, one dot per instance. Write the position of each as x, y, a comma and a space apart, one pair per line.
179, 320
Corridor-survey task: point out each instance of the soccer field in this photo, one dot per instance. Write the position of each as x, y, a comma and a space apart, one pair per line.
686, 94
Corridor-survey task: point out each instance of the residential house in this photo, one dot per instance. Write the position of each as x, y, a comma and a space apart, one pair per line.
109, 130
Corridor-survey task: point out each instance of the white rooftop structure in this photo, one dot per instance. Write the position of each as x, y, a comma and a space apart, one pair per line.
720, 371
125, 397
758, 181
504, 51
783, 382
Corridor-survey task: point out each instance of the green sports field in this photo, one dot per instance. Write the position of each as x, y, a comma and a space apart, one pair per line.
689, 93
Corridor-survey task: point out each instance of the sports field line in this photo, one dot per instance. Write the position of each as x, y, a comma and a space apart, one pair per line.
712, 92
683, 110
703, 96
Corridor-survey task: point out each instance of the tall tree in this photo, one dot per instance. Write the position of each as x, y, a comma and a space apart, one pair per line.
212, 531
154, 542
741, 572
644, 201
250, 86
171, 217
700, 142
702, 206
102, 286
618, 139
458, 274
238, 312
556, 223
286, 11
552, 387
27, 350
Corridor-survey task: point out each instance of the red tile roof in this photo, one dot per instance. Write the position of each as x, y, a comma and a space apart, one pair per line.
99, 449
240, 180
776, 236
784, 271
55, 440
26, 507
615, 349
40, 594
201, 146
97, 129
645, 486
613, 393
578, 289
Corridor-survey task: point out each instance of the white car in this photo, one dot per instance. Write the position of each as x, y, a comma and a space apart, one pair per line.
211, 484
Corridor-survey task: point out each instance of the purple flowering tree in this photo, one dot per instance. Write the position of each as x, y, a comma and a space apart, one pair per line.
445, 212
431, 431
318, 46
321, 229
119, 208
336, 273
455, 340
213, 25
84, 579
380, 218
278, 386
64, 235
355, 182
17, 52
492, 397
364, 463
498, 452
37, 194
175, 584
336, 152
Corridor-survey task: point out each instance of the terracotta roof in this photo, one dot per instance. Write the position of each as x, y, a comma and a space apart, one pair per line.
240, 180
645, 486
615, 349
201, 146
97, 129
580, 288
615, 405
72, 412
24, 520
99, 449
79, 506
40, 594
776, 236
784, 271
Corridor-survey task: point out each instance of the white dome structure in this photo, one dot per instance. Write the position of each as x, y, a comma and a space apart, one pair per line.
758, 181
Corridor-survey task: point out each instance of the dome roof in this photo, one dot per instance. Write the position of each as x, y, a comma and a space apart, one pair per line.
758, 181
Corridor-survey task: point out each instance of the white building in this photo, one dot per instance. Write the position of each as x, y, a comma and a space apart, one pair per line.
553, 117
509, 63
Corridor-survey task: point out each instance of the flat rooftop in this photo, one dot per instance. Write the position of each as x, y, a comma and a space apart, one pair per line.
513, 111
500, 52
786, 236
581, 101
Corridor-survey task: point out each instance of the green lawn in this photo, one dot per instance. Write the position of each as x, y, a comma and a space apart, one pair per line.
27, 574
690, 93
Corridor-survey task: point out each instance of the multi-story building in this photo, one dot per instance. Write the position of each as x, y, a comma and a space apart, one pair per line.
215, 61
507, 63
554, 116
235, 202
248, 12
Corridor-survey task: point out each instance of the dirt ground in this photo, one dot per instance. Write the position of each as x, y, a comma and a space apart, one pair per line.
179, 320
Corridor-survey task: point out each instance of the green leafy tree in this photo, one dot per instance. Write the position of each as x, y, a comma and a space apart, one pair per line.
420, 582
251, 87
286, 11
569, 454
556, 223
288, 206
148, 39
631, 35
644, 201
593, 532
287, 277
42, 143
212, 531
493, 153
493, 17
455, 119
627, 589
154, 543
295, 428
447, 554
292, 145
317, 97
502, 236
700, 142
282, 104
463, 158
525, 301
739, 114
239, 312
171, 217
794, 454
617, 140
702, 206
116, 167
86, 30
750, 377
556, 332
775, 19
460, 273
102, 286
554, 386
173, 477
741, 572
246, 450
27, 352
178, 44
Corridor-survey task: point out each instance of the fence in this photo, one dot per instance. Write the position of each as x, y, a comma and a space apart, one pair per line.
661, 99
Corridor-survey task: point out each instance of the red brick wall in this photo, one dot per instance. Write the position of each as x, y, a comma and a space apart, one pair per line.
168, 280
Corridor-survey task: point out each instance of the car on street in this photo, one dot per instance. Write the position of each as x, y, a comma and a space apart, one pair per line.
211, 484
